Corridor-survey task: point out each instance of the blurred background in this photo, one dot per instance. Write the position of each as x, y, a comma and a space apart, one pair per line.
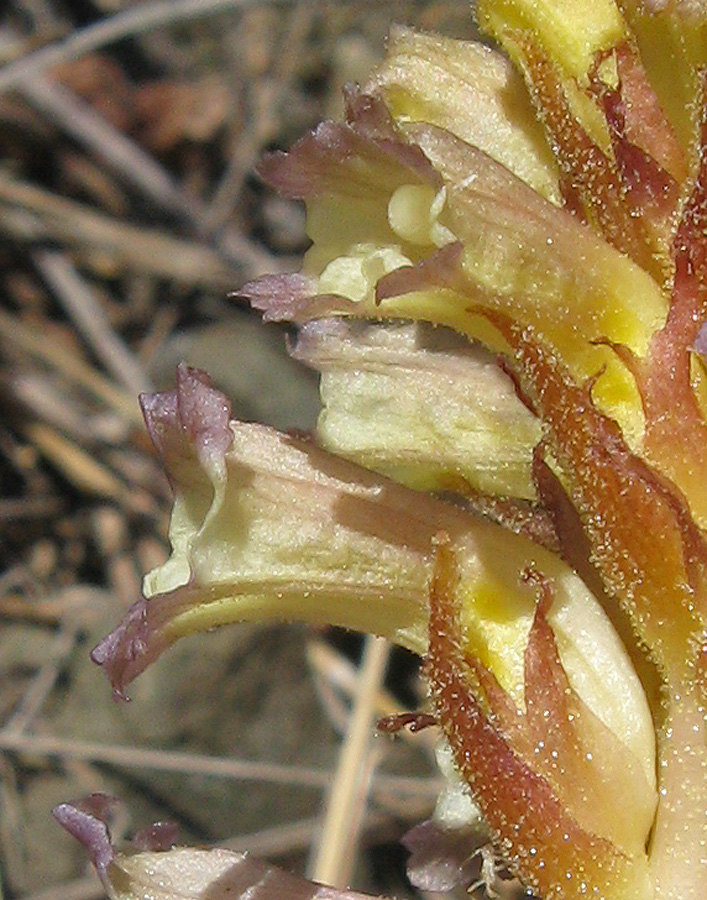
128, 211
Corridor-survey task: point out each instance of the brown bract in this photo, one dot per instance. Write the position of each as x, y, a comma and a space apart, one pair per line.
554, 855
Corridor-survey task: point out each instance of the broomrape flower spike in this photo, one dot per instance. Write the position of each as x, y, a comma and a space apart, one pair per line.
547, 203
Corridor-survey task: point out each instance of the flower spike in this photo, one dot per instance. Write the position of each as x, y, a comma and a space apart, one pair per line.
506, 298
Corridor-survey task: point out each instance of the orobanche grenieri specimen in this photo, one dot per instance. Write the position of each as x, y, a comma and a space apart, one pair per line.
547, 204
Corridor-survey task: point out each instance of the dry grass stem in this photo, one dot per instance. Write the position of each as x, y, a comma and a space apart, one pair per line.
139, 169
129, 23
31, 341
336, 678
335, 853
104, 243
45, 679
82, 469
85, 310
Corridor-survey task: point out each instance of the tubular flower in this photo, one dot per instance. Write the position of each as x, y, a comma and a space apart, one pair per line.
547, 203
